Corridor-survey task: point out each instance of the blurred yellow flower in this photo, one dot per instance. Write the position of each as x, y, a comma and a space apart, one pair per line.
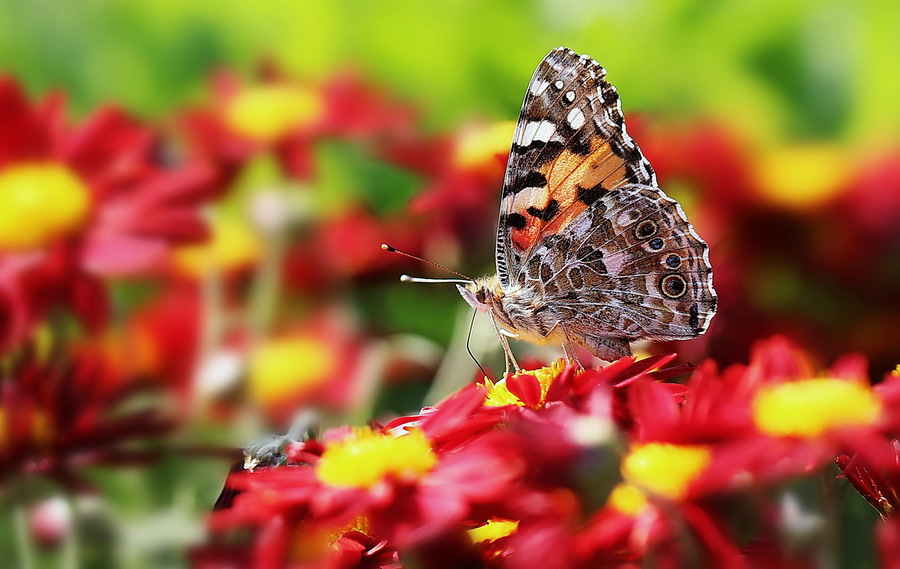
40, 202
232, 246
665, 469
809, 408
627, 499
269, 112
802, 175
284, 368
479, 146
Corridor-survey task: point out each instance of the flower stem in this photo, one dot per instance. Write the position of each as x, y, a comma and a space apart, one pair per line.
23, 542
266, 284
830, 548
70, 542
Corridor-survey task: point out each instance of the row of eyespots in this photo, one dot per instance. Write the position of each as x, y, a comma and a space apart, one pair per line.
672, 285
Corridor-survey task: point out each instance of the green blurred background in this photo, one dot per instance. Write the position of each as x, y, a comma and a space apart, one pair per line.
777, 69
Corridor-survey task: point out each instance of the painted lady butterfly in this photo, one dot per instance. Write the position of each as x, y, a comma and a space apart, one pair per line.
589, 250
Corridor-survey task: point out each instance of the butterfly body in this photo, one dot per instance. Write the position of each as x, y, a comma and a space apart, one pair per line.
590, 251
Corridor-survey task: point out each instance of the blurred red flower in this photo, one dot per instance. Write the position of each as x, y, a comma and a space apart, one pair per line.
319, 363
81, 203
287, 117
59, 417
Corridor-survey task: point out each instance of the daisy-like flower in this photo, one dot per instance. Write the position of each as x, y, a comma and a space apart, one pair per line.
286, 117
57, 418
689, 447
318, 363
81, 203
409, 489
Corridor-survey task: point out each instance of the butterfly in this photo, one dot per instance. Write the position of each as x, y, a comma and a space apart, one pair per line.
590, 251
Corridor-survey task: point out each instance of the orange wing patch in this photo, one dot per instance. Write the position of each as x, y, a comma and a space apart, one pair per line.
574, 182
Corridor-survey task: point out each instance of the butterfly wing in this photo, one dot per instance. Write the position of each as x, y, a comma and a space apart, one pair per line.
585, 234
570, 146
630, 266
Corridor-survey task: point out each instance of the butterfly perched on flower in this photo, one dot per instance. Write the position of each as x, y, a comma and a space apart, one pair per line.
590, 251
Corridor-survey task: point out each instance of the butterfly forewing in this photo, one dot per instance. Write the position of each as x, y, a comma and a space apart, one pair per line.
570, 146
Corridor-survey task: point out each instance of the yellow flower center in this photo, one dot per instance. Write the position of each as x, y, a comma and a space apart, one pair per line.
269, 112
494, 529
802, 175
232, 246
480, 146
627, 499
40, 202
290, 366
811, 407
498, 394
366, 457
665, 469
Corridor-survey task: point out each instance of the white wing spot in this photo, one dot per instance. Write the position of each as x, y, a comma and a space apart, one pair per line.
570, 96
545, 131
538, 87
535, 130
575, 118
558, 85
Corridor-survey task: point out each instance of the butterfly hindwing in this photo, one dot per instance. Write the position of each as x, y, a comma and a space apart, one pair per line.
629, 267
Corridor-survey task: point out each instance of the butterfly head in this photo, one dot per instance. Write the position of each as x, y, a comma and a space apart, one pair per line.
482, 294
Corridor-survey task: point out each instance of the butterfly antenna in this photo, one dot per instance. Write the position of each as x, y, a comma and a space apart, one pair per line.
469, 348
409, 279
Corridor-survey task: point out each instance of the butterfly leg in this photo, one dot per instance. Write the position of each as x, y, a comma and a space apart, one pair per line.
507, 352
569, 347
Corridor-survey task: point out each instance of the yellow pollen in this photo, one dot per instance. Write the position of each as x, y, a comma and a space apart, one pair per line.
811, 407
290, 366
665, 469
366, 457
269, 112
480, 146
40, 202
499, 395
627, 499
494, 529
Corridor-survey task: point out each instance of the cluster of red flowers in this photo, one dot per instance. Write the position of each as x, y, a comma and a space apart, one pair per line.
123, 267
560, 467
803, 237
208, 263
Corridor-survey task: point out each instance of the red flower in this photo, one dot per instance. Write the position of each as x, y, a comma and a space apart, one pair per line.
287, 117
318, 363
80, 203
58, 418
776, 406
405, 488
